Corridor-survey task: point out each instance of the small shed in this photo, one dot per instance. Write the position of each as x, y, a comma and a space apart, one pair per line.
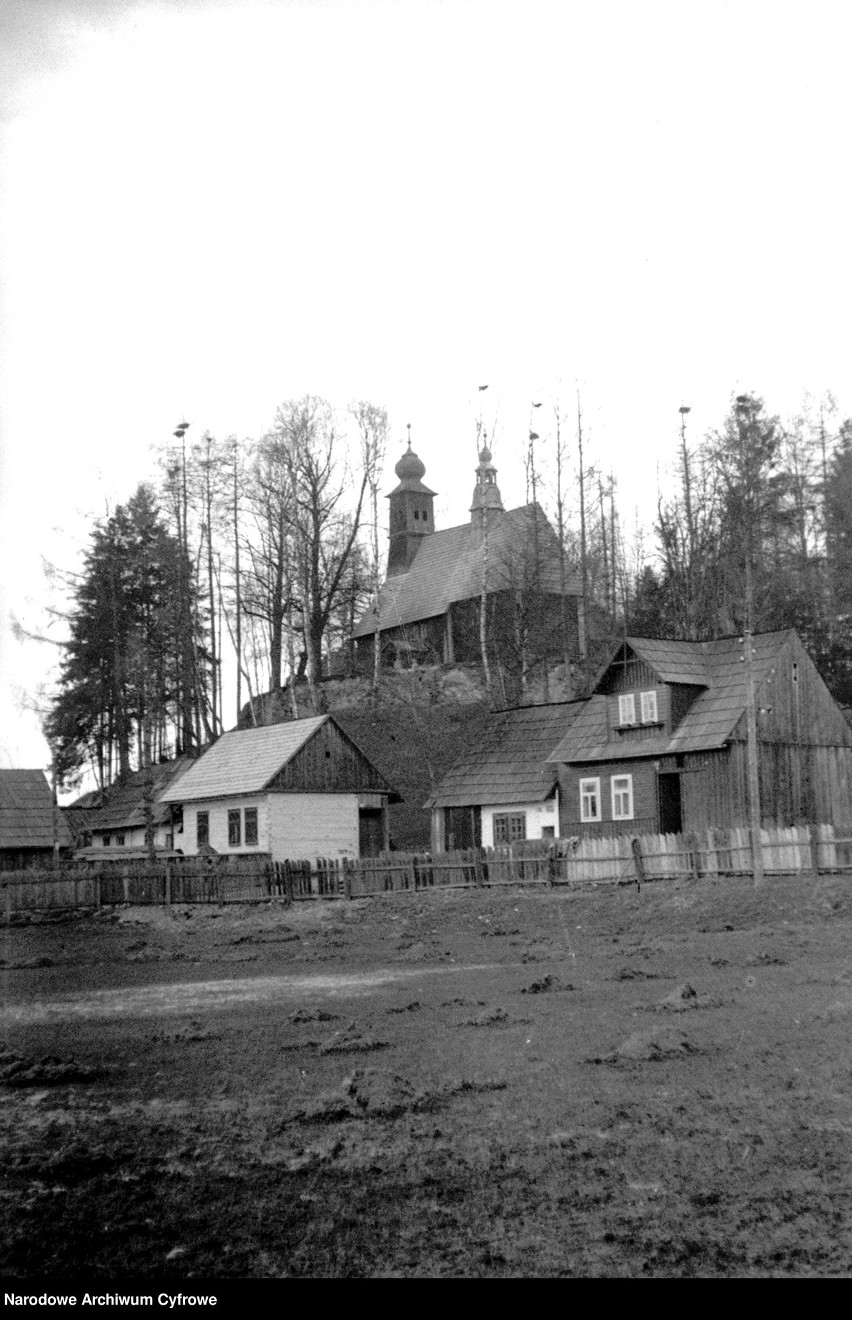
505, 789
32, 831
302, 789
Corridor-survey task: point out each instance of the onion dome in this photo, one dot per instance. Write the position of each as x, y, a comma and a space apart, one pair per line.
410, 467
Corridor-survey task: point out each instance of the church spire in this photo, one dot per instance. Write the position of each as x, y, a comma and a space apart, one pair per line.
486, 492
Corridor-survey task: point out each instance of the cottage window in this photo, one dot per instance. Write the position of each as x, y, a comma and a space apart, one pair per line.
590, 799
106, 840
119, 840
234, 830
649, 707
251, 825
202, 829
622, 797
509, 828
627, 708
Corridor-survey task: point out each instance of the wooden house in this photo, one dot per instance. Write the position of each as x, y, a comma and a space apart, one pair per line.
32, 831
505, 789
116, 821
429, 607
302, 789
660, 746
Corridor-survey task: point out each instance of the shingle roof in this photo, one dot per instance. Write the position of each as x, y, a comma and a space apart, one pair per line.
710, 720
675, 662
511, 763
448, 568
26, 811
123, 804
243, 762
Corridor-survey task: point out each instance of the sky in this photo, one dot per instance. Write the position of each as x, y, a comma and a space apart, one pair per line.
210, 206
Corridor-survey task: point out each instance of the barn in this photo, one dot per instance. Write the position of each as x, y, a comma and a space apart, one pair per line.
660, 746
505, 789
32, 830
297, 790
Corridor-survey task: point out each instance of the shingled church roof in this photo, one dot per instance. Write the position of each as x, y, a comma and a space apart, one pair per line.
448, 567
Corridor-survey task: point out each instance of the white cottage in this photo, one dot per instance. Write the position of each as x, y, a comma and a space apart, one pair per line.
299, 790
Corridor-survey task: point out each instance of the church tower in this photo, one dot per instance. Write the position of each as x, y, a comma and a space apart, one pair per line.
411, 514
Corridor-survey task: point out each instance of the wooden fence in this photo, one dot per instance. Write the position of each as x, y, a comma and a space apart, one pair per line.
628, 859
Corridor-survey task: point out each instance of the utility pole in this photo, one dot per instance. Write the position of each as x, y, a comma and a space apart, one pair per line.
745, 420
581, 622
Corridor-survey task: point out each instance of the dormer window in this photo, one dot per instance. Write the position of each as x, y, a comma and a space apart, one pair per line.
627, 708
648, 702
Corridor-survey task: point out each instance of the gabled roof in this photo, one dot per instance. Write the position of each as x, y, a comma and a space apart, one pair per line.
448, 567
26, 812
123, 804
243, 761
510, 765
708, 723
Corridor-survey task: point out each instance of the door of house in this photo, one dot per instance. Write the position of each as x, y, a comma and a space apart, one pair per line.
462, 828
371, 831
671, 820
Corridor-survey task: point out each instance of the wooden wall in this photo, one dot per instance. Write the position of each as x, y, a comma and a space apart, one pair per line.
329, 763
644, 798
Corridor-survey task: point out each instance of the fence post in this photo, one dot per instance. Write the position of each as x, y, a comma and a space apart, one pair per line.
477, 868
347, 877
637, 862
168, 885
125, 887
814, 833
695, 849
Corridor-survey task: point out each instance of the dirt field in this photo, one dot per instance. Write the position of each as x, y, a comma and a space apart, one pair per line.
473, 1083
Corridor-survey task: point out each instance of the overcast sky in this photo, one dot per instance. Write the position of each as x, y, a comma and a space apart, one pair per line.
211, 206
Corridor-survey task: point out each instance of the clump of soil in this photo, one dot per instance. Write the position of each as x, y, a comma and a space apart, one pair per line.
683, 998
545, 984
349, 1040
18, 1070
634, 974
489, 1017
652, 1047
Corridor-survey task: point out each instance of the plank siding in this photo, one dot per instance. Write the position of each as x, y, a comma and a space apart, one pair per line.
329, 763
645, 809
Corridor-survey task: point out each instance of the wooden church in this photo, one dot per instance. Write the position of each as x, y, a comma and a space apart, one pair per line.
429, 609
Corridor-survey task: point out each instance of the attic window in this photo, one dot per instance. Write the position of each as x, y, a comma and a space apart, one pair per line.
648, 701
627, 708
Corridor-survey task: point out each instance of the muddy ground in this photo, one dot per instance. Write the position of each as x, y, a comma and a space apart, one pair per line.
487, 1083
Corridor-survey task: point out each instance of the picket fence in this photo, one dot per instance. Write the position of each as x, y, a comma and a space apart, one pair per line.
625, 859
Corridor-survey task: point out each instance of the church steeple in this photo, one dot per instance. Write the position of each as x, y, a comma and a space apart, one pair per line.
486, 492
411, 514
